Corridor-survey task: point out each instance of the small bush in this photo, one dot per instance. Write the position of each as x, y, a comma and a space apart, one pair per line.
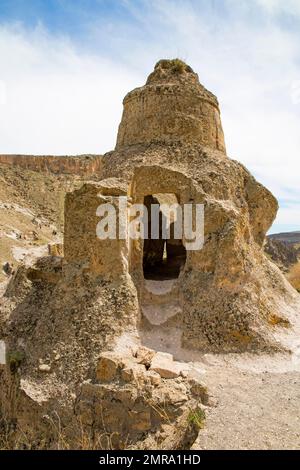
175, 65
14, 359
197, 417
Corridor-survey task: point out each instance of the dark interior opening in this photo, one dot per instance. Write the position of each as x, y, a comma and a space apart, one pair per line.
162, 258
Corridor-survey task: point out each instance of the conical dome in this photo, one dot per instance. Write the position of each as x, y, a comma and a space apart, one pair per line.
172, 107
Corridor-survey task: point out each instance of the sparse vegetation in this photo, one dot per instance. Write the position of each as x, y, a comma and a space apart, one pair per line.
176, 65
240, 337
275, 320
162, 412
70, 392
13, 437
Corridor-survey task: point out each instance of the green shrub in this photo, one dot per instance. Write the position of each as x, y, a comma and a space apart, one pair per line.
197, 417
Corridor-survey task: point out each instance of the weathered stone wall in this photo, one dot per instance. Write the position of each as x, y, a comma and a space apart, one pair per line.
82, 246
77, 165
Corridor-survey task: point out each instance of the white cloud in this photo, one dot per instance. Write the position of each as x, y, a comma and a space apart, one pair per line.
291, 7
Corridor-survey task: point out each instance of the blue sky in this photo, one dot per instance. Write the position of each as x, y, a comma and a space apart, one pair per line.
66, 65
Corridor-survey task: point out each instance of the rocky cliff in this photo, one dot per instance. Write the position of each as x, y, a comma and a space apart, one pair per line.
74, 165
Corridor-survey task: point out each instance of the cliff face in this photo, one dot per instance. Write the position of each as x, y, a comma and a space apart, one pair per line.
83, 165
32, 192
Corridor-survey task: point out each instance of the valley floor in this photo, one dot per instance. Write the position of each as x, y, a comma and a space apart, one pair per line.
258, 403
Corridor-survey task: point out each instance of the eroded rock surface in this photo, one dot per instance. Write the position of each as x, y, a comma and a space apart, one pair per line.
65, 318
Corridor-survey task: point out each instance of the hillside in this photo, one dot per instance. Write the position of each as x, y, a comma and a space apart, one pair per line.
31, 212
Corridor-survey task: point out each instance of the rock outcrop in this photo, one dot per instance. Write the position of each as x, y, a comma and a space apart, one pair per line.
60, 316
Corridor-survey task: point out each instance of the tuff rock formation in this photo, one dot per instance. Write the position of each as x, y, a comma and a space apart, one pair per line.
61, 315
75, 165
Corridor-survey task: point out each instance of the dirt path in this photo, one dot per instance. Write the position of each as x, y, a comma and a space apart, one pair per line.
257, 395
258, 403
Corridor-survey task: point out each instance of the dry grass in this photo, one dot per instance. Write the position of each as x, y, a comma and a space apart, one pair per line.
4, 435
175, 65
14, 438
178, 66
243, 339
